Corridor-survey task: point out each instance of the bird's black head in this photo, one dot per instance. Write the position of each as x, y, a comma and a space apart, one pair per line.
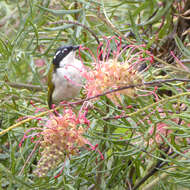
63, 52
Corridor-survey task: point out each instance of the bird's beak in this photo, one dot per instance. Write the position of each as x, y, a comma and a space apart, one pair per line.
75, 48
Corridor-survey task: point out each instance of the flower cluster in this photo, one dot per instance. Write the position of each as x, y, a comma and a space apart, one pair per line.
110, 73
61, 137
163, 130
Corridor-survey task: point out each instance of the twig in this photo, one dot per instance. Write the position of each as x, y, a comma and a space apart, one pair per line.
8, 17
107, 21
152, 83
143, 114
39, 88
76, 23
29, 157
152, 184
105, 93
100, 168
151, 173
91, 187
25, 86
185, 61
155, 82
156, 181
160, 164
103, 17
27, 98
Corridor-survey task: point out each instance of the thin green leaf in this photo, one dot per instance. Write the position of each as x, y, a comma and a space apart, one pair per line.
60, 12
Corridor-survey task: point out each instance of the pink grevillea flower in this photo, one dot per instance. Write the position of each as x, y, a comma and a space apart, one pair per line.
159, 130
60, 138
111, 73
162, 129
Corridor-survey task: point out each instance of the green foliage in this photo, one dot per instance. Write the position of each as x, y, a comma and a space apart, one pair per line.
31, 31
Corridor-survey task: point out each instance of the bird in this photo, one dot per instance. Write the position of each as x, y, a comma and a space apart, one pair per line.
65, 75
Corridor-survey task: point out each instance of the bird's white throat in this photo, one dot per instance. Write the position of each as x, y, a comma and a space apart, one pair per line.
67, 79
68, 60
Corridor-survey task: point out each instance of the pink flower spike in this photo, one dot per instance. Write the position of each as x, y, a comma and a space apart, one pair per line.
59, 174
61, 137
37, 109
112, 73
99, 55
107, 49
129, 107
85, 48
53, 106
95, 148
28, 136
150, 93
178, 61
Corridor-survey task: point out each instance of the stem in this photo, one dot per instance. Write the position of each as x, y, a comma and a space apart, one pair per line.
99, 175
25, 86
159, 164
151, 185
103, 17
29, 157
107, 21
79, 24
93, 97
152, 83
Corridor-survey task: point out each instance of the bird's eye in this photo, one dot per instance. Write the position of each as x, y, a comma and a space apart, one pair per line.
64, 50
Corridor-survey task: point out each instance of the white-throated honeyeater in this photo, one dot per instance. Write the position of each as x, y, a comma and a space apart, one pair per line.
64, 78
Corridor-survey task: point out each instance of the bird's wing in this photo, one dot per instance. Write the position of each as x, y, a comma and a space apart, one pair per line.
50, 87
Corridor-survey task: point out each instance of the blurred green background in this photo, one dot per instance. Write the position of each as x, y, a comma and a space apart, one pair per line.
31, 31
